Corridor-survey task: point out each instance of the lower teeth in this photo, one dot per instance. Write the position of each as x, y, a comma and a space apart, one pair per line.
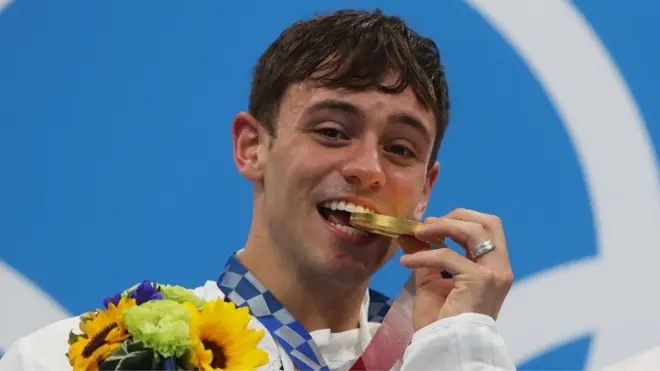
350, 230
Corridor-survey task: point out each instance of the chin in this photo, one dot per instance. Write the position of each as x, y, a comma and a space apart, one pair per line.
343, 255
345, 271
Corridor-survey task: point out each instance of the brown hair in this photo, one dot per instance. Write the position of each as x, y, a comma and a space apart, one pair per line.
353, 50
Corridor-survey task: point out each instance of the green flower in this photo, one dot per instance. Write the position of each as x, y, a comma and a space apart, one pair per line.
162, 325
181, 295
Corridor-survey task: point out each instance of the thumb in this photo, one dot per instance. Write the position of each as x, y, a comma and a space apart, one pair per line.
411, 245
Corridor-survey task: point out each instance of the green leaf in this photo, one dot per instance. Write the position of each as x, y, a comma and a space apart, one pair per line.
131, 356
73, 337
183, 363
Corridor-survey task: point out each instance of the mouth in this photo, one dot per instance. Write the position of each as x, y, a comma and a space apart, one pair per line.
337, 213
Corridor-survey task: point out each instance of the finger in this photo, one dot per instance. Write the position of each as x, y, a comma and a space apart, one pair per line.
466, 234
442, 259
491, 223
411, 245
497, 259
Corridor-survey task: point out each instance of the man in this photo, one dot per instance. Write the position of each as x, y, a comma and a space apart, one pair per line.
347, 112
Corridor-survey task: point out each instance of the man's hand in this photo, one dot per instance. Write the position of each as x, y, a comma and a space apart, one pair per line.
478, 285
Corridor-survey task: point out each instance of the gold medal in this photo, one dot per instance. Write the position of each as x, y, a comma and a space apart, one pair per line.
383, 225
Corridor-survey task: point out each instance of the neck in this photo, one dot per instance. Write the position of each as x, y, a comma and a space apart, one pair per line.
315, 303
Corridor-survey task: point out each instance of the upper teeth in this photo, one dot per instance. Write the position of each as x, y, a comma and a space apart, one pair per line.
347, 206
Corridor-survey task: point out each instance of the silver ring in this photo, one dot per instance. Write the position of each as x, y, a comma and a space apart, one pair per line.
482, 249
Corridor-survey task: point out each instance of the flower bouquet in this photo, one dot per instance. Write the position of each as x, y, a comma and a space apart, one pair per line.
160, 327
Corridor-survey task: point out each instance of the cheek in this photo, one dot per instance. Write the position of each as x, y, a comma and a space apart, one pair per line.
407, 194
297, 172
311, 163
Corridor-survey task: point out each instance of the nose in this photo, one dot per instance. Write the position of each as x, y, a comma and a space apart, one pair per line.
363, 168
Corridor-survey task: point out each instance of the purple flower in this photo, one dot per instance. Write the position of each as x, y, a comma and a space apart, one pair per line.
168, 364
146, 291
114, 299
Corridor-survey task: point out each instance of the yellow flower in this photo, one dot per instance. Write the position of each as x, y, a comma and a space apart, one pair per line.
103, 332
221, 339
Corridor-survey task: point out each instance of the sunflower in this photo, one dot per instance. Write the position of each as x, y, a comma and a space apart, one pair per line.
221, 339
102, 333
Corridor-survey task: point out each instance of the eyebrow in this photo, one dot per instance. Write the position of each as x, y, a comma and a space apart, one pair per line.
414, 122
338, 105
404, 118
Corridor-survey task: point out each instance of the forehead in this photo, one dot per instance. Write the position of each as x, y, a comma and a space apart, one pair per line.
373, 103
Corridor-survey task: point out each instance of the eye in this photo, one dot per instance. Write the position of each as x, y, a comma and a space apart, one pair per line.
332, 134
400, 150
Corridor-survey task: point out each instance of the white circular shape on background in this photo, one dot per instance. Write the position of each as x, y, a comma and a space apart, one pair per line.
25, 308
601, 295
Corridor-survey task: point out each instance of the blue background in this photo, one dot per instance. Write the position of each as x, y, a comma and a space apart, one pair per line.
115, 146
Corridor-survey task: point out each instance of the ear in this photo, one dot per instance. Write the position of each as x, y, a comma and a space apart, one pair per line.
248, 141
431, 177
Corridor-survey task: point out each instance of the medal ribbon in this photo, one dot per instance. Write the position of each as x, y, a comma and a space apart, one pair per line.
389, 343
386, 348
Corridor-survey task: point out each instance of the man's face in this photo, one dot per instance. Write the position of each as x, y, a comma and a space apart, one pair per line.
336, 151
